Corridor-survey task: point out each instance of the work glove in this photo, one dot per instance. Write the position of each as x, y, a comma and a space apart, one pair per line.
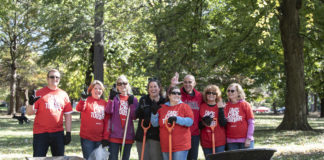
67, 138
172, 119
201, 125
130, 100
104, 143
113, 92
155, 107
32, 98
207, 120
84, 94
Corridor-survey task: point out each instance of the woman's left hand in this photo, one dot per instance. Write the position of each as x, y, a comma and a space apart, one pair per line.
247, 143
221, 104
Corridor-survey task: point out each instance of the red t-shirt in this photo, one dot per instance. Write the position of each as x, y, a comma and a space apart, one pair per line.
92, 118
181, 135
50, 109
123, 109
206, 133
237, 116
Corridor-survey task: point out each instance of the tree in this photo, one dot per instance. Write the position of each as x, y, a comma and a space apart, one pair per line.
295, 117
98, 59
19, 36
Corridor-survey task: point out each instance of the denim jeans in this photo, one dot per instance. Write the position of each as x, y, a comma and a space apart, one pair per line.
193, 152
208, 151
88, 146
180, 155
234, 146
42, 141
114, 149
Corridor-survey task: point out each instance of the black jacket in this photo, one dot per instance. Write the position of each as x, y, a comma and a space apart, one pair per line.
153, 132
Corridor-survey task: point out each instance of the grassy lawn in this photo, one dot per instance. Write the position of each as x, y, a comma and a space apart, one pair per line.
16, 140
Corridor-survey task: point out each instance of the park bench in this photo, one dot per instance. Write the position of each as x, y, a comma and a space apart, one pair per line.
244, 154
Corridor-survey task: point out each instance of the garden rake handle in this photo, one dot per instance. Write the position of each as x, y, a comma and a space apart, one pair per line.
144, 137
170, 136
213, 134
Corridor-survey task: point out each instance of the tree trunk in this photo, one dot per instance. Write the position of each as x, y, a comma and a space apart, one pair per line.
295, 117
88, 76
306, 100
322, 107
13, 82
274, 106
315, 103
99, 41
18, 93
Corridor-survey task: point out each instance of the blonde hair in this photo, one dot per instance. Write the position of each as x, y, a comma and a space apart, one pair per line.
128, 87
239, 89
93, 83
212, 88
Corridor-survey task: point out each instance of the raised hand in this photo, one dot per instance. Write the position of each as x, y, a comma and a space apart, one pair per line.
175, 79
84, 94
32, 98
113, 92
221, 103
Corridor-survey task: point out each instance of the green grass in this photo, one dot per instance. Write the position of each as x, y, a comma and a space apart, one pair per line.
16, 140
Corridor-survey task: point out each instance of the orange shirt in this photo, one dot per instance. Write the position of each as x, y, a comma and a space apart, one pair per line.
50, 109
206, 133
92, 118
181, 135
237, 116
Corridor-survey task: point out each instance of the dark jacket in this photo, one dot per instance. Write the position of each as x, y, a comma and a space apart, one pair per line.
153, 132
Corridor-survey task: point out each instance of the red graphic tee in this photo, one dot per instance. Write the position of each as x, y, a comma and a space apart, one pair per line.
50, 109
237, 116
92, 118
181, 135
206, 133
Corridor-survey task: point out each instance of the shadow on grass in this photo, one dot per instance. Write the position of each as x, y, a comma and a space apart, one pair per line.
301, 156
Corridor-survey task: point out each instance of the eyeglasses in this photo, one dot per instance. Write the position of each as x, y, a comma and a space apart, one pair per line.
52, 77
176, 93
122, 83
232, 91
213, 93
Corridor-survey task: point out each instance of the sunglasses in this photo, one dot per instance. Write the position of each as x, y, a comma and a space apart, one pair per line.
122, 83
232, 91
213, 93
176, 93
52, 77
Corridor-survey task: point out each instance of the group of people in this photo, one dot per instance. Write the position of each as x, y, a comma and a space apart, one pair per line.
184, 114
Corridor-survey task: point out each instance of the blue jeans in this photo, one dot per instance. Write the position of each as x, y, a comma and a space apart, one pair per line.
114, 149
234, 146
208, 151
42, 141
193, 152
180, 155
88, 146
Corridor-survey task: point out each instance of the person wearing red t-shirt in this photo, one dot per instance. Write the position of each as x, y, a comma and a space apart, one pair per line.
193, 98
93, 118
50, 104
240, 119
212, 109
180, 113
120, 107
